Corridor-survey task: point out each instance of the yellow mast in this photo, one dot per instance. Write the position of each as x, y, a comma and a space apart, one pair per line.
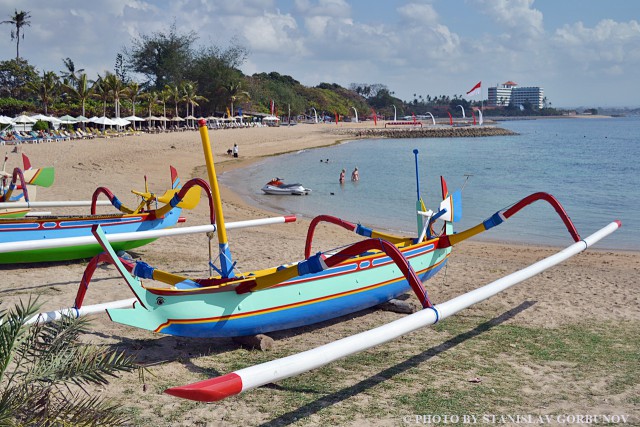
226, 263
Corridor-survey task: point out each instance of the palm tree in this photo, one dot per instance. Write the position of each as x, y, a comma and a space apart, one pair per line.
234, 89
71, 75
44, 369
176, 95
19, 19
191, 97
46, 88
163, 97
116, 89
133, 92
151, 98
80, 90
101, 92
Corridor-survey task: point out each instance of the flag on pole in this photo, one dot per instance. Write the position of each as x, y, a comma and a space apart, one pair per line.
475, 90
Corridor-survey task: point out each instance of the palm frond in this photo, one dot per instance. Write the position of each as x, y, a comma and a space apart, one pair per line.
44, 368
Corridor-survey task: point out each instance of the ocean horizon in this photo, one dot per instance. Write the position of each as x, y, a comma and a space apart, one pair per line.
587, 164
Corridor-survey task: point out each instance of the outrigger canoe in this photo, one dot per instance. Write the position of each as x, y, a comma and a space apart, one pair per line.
320, 286
26, 233
20, 186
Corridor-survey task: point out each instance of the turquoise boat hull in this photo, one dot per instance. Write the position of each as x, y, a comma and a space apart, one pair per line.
351, 286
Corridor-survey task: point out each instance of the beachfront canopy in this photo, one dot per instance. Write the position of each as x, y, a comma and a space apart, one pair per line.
134, 119
68, 119
119, 121
103, 121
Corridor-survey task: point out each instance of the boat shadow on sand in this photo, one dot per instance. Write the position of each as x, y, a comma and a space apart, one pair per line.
325, 401
158, 349
155, 351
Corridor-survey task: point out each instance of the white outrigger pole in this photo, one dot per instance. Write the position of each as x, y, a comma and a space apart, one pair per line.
149, 234
255, 376
54, 204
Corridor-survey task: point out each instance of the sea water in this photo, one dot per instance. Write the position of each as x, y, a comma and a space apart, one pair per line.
590, 165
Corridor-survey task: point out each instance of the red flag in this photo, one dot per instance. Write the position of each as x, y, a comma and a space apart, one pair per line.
475, 90
26, 162
450, 118
272, 107
336, 113
375, 117
474, 117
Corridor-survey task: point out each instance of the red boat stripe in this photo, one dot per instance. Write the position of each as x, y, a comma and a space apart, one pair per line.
209, 390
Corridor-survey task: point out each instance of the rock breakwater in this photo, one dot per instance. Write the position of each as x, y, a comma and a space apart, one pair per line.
426, 132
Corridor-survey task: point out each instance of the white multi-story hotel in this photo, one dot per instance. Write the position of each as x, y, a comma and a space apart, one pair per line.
509, 94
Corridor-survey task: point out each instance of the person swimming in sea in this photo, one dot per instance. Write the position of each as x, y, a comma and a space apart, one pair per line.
355, 175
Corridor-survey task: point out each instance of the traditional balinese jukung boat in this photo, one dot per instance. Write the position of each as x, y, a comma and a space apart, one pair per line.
47, 237
20, 186
319, 287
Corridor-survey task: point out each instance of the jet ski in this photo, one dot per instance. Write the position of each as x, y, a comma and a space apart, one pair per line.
277, 187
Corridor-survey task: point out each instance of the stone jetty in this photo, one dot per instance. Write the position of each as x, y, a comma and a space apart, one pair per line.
425, 132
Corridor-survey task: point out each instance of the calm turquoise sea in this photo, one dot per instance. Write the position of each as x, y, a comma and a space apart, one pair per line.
592, 166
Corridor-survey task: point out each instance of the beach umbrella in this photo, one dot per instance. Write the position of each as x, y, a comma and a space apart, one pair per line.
67, 119
119, 121
190, 118
177, 119
134, 119
103, 121
52, 120
82, 119
4, 120
40, 117
24, 120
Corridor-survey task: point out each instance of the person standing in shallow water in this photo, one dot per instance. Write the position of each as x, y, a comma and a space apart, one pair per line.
235, 150
355, 175
342, 176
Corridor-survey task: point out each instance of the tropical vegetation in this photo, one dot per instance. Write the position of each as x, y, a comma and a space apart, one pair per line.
169, 67
45, 372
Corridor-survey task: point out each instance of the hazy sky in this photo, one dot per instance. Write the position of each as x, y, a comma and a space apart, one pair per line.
582, 52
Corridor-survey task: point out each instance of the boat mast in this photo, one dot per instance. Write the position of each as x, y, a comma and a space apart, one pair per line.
226, 262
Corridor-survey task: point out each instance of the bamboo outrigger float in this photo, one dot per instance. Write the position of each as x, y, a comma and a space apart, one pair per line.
319, 287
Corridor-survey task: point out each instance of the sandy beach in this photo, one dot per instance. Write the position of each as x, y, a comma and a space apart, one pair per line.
592, 289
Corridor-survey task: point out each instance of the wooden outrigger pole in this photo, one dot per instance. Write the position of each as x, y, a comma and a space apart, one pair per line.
255, 376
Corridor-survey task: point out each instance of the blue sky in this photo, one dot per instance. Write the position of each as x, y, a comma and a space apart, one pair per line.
583, 53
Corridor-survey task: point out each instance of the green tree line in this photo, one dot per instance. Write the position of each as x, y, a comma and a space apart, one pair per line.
168, 73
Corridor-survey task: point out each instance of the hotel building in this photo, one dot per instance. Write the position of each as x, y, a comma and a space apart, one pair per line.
509, 94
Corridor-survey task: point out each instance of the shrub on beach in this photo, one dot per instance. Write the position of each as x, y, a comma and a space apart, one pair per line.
44, 370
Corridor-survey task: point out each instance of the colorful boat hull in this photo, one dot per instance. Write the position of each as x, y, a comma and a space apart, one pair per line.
351, 286
37, 229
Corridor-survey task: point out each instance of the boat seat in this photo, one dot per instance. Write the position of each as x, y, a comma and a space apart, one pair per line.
187, 284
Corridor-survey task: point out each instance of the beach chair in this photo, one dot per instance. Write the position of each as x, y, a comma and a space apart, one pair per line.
25, 138
60, 136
